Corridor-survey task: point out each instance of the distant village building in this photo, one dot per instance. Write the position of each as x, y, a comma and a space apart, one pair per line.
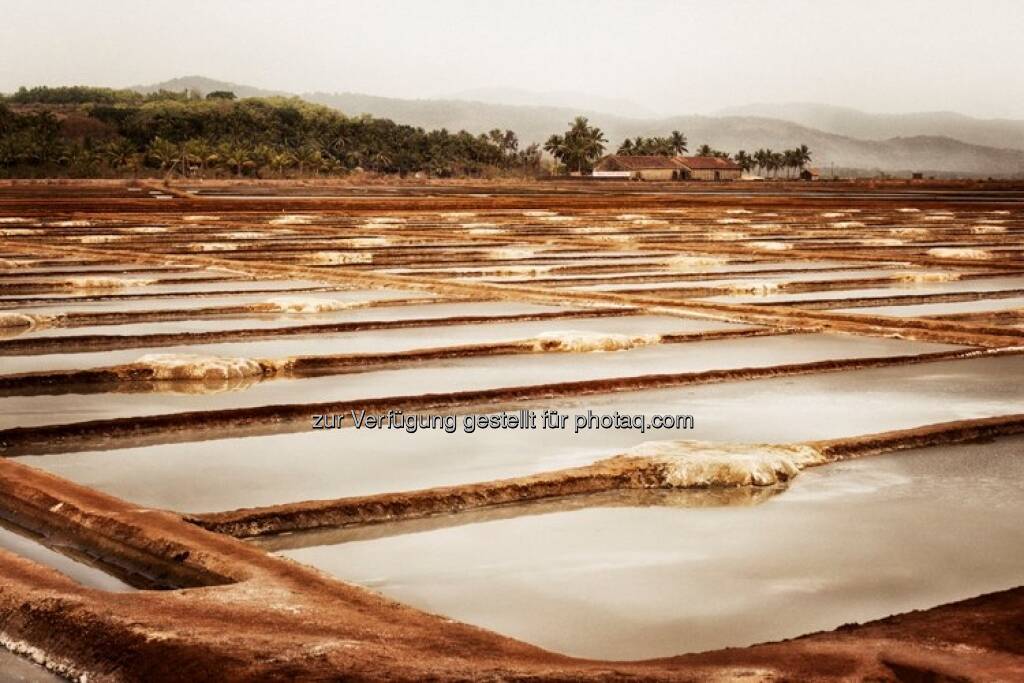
711, 168
654, 167
638, 167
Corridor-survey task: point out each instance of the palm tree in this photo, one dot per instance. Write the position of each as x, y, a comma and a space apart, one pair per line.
235, 157
119, 153
744, 160
678, 141
626, 148
555, 146
802, 156
281, 161
165, 153
705, 151
200, 151
309, 155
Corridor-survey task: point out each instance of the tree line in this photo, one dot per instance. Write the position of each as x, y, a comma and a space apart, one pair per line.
85, 131
582, 145
120, 132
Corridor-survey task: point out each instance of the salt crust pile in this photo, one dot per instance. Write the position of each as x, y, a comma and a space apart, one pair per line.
960, 253
335, 258
770, 246
684, 262
298, 304
702, 464
174, 366
292, 219
585, 342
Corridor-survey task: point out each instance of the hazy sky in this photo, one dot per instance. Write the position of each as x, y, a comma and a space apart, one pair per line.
670, 56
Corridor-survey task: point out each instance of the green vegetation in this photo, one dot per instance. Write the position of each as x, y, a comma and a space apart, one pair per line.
82, 131
769, 163
672, 145
579, 147
88, 132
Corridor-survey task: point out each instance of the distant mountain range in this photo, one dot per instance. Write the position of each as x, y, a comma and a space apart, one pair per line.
940, 142
858, 124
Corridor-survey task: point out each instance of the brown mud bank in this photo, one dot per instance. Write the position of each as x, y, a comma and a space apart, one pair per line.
245, 603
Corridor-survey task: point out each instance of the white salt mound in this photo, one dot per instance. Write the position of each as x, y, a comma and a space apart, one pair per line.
13, 219
369, 241
299, 304
761, 287
724, 235
174, 366
683, 262
770, 246
504, 254
539, 213
911, 232
701, 464
10, 320
583, 342
929, 276
292, 219
214, 246
88, 282
100, 239
334, 258
242, 235
960, 252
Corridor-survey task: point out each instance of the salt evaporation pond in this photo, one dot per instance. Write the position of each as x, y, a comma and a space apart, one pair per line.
82, 573
940, 308
183, 288
15, 669
849, 542
980, 285
265, 470
289, 319
133, 304
459, 375
373, 341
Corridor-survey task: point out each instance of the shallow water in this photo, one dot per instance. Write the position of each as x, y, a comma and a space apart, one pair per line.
849, 542
82, 573
190, 301
15, 669
275, 320
233, 473
372, 341
982, 285
940, 308
460, 375
183, 288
